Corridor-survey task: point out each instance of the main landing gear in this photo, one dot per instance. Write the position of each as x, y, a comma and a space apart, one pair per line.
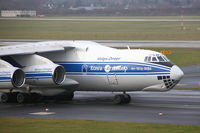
122, 99
20, 97
6, 97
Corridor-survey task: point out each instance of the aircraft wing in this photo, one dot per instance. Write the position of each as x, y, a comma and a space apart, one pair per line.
33, 69
34, 48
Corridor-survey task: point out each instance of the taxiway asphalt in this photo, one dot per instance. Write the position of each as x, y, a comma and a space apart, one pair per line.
191, 76
173, 107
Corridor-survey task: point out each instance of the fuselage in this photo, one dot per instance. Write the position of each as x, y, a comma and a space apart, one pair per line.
58, 68
99, 68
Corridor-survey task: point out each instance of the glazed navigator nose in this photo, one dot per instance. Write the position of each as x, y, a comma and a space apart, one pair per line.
176, 73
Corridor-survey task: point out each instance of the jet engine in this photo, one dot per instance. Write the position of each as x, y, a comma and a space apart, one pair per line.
44, 75
10, 77
40, 71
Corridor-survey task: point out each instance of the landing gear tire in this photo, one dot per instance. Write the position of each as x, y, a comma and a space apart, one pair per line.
127, 98
5, 98
117, 99
8, 97
22, 98
122, 99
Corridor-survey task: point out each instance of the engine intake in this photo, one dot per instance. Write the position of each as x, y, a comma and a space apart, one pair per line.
59, 75
18, 78
10, 77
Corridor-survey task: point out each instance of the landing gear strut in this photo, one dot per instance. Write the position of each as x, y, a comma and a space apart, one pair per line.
122, 99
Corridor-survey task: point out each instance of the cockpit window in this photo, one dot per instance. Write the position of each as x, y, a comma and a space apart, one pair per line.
149, 59
166, 58
161, 59
156, 58
146, 59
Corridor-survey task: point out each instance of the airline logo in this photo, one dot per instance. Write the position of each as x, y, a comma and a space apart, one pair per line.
107, 68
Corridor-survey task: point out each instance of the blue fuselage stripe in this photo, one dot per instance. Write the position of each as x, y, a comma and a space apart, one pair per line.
117, 68
5, 79
38, 75
100, 68
132, 63
117, 73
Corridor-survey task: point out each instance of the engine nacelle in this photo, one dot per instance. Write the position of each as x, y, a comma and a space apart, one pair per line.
42, 75
10, 77
40, 71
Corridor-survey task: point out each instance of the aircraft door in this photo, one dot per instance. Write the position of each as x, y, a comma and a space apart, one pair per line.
112, 79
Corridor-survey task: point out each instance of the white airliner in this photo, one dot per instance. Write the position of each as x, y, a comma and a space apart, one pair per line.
58, 68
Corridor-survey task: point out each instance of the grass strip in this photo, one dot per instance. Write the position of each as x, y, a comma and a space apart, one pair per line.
30, 125
98, 30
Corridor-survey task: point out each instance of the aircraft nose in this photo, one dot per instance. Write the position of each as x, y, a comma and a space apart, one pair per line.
176, 73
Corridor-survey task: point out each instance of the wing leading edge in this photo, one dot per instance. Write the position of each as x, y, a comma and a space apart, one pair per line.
34, 48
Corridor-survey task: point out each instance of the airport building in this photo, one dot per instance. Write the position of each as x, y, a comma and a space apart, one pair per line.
18, 13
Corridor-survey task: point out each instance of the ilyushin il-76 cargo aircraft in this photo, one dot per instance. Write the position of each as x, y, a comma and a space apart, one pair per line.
59, 68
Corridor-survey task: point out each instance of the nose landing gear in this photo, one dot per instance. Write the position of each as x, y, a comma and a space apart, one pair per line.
122, 99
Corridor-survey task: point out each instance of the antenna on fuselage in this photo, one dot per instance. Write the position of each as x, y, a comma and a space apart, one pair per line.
128, 47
